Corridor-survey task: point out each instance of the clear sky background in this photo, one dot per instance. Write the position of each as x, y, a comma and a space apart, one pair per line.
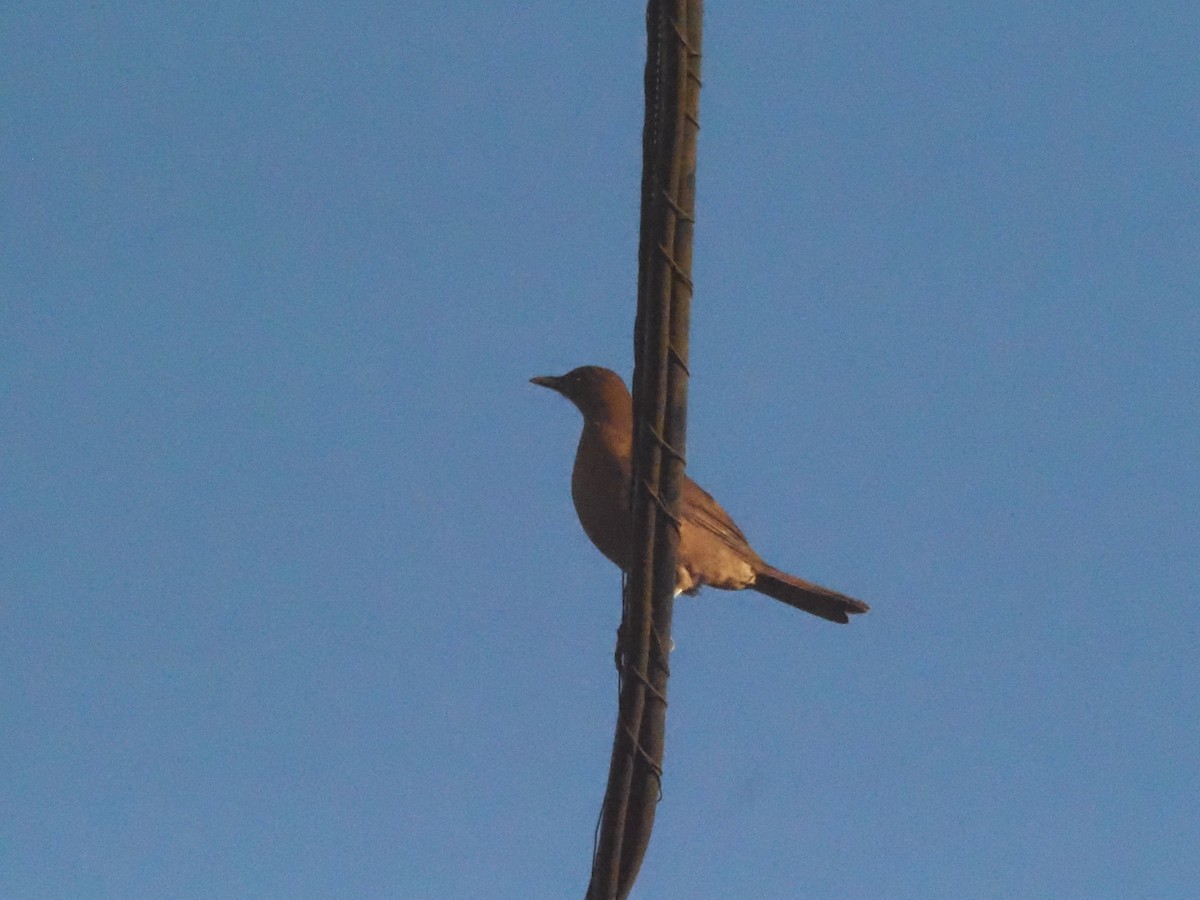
293, 601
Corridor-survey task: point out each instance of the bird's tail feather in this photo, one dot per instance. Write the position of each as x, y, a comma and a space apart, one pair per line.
812, 598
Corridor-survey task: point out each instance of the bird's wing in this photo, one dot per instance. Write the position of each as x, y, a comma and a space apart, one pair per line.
699, 508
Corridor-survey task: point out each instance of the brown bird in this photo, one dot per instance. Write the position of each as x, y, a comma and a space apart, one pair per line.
712, 549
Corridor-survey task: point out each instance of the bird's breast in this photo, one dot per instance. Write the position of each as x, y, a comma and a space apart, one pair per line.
600, 489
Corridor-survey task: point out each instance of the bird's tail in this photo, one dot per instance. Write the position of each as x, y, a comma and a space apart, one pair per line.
812, 598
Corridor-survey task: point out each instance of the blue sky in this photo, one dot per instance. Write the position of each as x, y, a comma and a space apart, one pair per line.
293, 602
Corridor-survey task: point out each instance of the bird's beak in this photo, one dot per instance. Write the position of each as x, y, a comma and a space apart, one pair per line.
548, 381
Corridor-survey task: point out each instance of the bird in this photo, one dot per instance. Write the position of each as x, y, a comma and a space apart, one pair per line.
712, 549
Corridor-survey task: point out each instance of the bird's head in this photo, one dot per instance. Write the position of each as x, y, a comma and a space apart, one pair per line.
599, 393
